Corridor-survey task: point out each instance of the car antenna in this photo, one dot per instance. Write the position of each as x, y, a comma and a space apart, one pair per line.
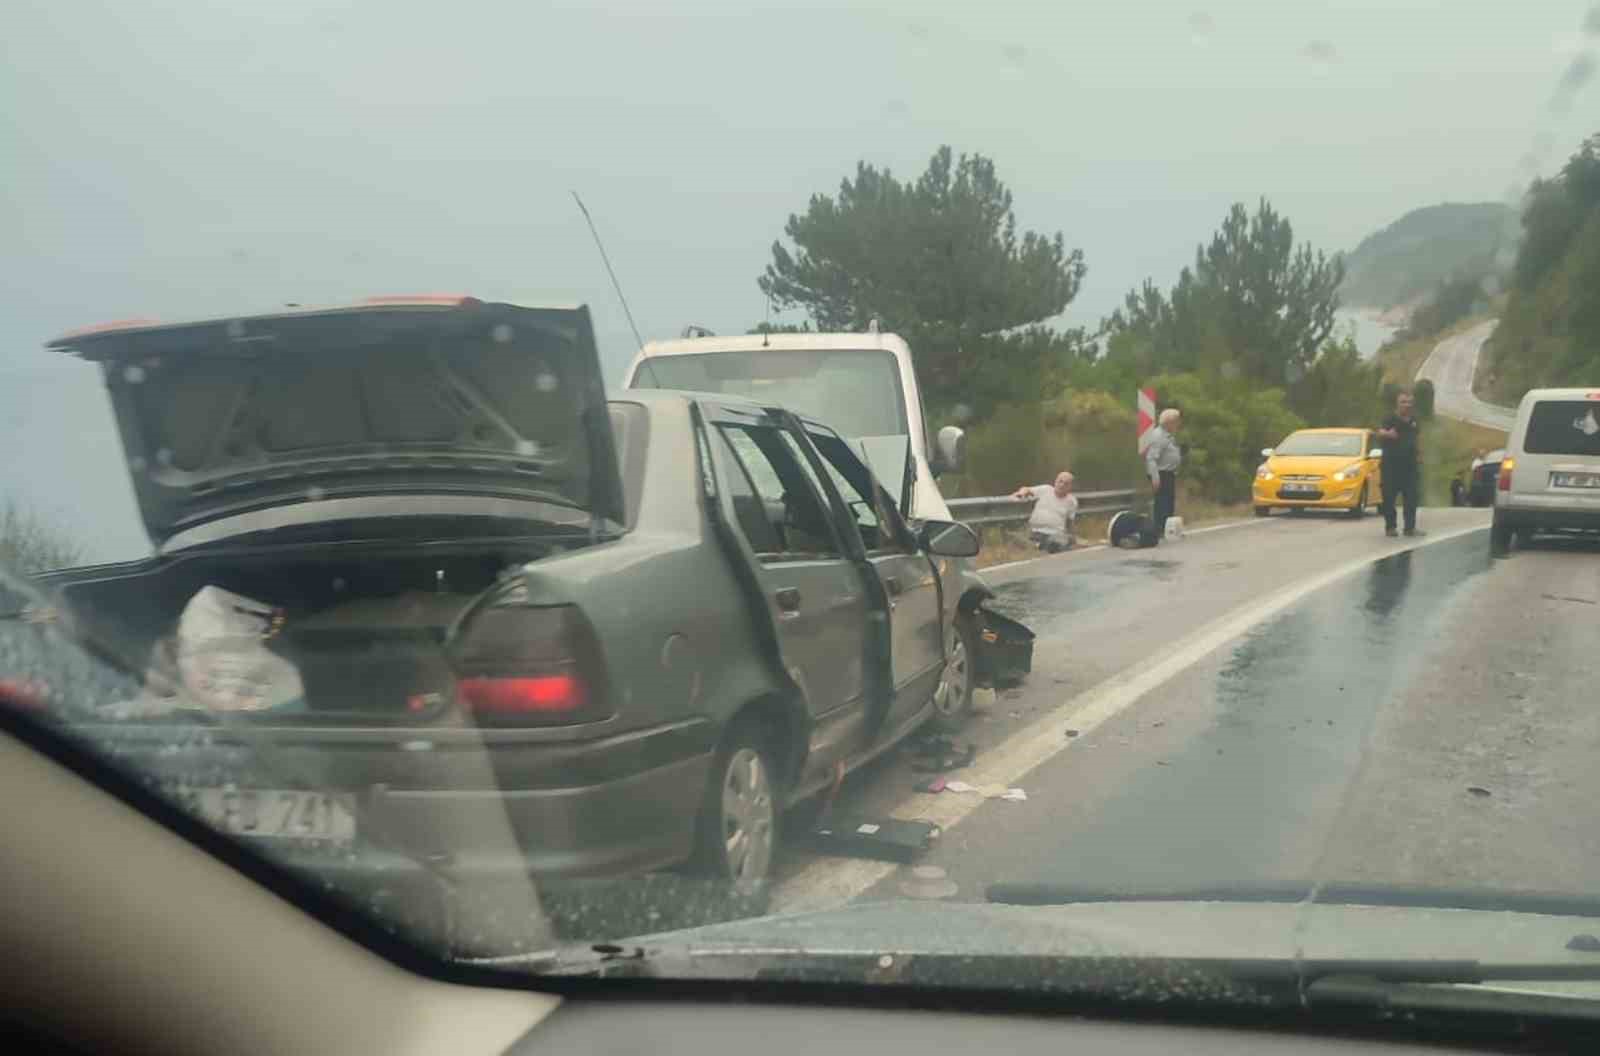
607, 262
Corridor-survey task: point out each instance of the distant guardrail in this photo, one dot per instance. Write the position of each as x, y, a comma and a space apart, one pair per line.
1003, 509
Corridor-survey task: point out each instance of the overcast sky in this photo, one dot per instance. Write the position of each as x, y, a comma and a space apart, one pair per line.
182, 158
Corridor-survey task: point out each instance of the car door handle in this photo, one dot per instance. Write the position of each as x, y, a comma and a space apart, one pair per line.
788, 599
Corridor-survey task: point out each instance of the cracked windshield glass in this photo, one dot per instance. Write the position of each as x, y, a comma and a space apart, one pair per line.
672, 490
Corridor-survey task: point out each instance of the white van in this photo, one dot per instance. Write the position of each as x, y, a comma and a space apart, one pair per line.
1550, 476
863, 385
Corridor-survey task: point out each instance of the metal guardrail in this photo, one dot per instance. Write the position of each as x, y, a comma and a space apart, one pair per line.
1002, 509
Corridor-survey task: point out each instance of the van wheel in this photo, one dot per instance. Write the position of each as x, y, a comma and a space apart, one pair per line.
952, 697
737, 833
1359, 510
1501, 535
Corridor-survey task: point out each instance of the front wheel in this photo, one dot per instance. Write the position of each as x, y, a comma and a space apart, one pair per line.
1501, 535
1359, 510
952, 697
1263, 511
737, 832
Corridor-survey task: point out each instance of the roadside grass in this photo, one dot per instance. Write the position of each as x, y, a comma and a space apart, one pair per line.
1003, 543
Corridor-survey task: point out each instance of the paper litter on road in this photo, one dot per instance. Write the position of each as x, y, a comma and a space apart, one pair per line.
1015, 795
959, 786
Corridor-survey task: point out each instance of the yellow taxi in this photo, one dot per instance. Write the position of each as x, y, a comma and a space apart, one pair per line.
1320, 469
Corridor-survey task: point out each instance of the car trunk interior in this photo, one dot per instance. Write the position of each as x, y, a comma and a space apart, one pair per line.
364, 624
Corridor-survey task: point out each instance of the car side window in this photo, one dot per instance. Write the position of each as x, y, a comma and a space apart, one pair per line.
776, 503
880, 525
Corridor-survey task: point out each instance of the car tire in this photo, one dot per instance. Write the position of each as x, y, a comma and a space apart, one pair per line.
1297, 511
1501, 535
736, 836
1263, 511
952, 697
1359, 510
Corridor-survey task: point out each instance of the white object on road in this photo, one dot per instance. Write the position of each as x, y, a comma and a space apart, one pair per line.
1174, 529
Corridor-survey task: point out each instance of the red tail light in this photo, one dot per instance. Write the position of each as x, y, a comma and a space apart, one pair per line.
1506, 466
522, 695
529, 665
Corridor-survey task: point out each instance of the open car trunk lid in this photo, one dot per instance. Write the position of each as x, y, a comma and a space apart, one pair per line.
230, 416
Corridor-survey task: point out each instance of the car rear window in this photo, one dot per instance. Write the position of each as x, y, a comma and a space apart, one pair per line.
1564, 427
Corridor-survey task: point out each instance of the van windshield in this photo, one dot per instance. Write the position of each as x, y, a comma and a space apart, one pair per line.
856, 391
1564, 427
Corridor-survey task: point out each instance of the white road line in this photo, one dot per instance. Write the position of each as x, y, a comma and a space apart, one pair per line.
828, 882
1101, 546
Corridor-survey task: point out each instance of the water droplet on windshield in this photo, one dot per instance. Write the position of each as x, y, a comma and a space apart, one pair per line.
527, 448
546, 382
133, 375
502, 333
315, 494
137, 463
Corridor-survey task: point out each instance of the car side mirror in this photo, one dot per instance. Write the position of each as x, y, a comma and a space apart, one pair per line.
1376, 452
1266, 452
948, 539
949, 450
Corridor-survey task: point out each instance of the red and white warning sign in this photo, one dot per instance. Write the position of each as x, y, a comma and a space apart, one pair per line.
1147, 416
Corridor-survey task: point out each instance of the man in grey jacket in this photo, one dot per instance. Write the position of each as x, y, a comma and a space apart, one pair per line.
1161, 458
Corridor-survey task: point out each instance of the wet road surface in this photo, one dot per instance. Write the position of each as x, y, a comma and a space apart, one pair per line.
1337, 739
1451, 366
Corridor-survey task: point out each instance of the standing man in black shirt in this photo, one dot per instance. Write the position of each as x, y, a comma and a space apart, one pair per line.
1400, 472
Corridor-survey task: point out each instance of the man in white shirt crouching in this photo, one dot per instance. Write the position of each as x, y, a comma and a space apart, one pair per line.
1055, 513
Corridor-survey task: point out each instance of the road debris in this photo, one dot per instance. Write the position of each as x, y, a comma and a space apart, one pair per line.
1478, 791
1072, 733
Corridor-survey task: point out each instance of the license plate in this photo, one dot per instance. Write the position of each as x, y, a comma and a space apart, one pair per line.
275, 814
1575, 480
1301, 489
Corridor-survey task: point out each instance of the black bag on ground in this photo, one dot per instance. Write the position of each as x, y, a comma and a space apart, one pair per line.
1131, 530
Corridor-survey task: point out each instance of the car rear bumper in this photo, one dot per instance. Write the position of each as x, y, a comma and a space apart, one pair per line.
1547, 517
490, 806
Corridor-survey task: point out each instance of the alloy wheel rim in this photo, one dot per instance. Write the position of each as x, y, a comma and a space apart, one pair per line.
748, 818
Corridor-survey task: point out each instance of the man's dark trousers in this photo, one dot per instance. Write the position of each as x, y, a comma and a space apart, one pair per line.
1400, 483
1166, 504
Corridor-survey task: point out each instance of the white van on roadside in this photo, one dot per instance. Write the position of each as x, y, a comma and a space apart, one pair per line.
863, 385
1550, 476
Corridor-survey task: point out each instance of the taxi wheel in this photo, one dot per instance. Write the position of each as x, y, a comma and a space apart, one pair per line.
1359, 510
1263, 511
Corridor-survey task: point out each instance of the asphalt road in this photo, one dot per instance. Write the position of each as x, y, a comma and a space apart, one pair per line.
1451, 367
1287, 701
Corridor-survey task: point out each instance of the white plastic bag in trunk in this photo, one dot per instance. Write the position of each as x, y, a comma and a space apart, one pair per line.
223, 660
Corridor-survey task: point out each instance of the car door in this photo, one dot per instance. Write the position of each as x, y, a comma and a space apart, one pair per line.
909, 578
1374, 466
813, 590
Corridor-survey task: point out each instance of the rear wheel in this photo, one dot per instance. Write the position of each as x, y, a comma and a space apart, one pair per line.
1263, 511
952, 697
737, 832
1359, 510
1501, 535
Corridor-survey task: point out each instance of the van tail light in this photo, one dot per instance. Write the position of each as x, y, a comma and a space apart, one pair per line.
529, 665
1506, 466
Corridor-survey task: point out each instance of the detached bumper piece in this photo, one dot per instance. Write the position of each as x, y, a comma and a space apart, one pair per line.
1005, 650
887, 839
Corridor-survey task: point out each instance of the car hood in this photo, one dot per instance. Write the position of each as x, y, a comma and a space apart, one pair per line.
1317, 465
229, 416
1200, 929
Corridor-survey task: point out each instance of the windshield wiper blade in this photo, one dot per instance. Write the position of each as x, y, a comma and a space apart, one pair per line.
1471, 996
1333, 894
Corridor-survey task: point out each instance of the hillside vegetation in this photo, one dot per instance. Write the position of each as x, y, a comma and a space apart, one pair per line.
1411, 257
1549, 333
